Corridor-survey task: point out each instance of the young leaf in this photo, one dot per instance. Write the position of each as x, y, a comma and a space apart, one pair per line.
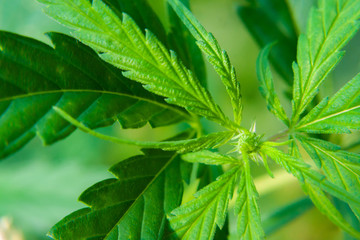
249, 222
212, 140
146, 189
330, 27
217, 57
268, 22
340, 167
184, 44
143, 57
340, 114
198, 218
211, 158
267, 89
34, 77
314, 184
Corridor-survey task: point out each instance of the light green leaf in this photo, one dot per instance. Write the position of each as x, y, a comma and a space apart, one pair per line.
210, 158
212, 140
147, 188
143, 57
249, 225
217, 57
331, 25
340, 167
267, 89
314, 184
198, 218
34, 77
340, 114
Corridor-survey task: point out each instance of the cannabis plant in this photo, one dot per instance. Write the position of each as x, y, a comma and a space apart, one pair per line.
122, 65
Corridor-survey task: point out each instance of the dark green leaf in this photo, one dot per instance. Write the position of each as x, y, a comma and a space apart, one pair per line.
285, 215
271, 21
34, 77
147, 188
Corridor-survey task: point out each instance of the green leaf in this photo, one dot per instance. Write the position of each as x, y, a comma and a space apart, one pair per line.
34, 77
184, 44
216, 56
314, 184
144, 58
198, 218
267, 89
268, 22
211, 158
142, 13
147, 188
286, 214
330, 28
340, 167
340, 114
249, 225
212, 140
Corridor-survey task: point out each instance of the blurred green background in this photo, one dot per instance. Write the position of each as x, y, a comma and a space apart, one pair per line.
39, 185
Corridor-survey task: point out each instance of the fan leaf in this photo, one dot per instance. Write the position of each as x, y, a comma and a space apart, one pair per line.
144, 58
198, 218
314, 184
267, 85
330, 27
340, 167
340, 114
249, 225
217, 57
147, 188
34, 77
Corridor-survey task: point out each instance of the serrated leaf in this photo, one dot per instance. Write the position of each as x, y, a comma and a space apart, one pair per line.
331, 25
184, 44
268, 22
267, 89
314, 184
210, 158
249, 225
34, 77
216, 56
340, 114
212, 140
285, 214
198, 218
144, 58
147, 188
142, 13
340, 167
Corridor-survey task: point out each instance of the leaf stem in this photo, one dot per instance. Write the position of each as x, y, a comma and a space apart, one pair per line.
81, 126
